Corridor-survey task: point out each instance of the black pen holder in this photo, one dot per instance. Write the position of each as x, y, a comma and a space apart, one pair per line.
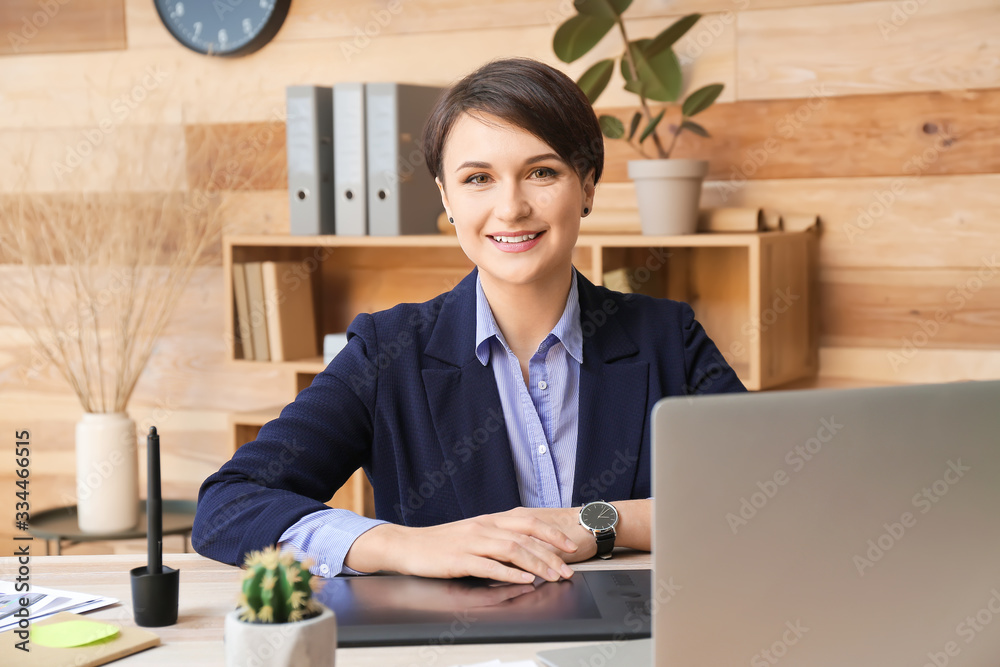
154, 596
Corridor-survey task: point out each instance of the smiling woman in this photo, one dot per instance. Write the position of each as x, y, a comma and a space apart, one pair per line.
484, 436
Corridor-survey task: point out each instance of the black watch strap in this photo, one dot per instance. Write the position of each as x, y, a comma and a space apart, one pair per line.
605, 544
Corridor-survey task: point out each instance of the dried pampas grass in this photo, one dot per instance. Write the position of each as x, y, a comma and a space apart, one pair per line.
93, 275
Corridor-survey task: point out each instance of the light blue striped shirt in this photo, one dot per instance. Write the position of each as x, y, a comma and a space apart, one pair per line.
541, 418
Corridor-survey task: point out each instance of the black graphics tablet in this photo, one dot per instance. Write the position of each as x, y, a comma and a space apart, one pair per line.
387, 610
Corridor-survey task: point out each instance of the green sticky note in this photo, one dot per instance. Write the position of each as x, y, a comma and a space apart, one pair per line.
73, 633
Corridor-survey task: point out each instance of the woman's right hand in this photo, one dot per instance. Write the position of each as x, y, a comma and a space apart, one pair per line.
508, 546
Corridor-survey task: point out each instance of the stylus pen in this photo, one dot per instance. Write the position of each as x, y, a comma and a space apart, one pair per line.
154, 506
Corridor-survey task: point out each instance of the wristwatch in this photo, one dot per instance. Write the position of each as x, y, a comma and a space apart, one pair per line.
600, 518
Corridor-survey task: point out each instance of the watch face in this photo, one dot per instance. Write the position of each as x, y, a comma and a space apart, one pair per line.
223, 27
599, 516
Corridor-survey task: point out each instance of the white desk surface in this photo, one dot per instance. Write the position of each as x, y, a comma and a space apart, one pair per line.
208, 592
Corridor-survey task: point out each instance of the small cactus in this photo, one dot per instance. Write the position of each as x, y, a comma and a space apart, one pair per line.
277, 588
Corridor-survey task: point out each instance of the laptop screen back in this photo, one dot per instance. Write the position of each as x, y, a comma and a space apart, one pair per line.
829, 527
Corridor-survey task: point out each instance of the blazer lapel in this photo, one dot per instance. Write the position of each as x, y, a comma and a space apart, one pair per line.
614, 390
466, 410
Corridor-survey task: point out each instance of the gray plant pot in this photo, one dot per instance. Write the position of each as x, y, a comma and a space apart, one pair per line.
668, 192
312, 642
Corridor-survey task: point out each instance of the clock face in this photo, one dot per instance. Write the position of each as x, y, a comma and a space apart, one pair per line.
223, 27
599, 516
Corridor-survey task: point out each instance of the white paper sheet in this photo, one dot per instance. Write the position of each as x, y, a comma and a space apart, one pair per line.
52, 601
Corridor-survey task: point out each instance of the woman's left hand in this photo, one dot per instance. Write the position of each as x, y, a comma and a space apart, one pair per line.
567, 520
633, 529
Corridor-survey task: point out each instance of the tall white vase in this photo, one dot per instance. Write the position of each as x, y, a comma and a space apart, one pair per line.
107, 473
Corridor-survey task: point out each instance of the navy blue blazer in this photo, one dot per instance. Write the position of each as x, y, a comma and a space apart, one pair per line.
408, 401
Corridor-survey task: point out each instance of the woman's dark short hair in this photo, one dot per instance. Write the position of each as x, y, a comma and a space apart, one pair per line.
528, 94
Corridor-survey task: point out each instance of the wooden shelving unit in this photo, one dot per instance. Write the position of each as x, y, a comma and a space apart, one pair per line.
753, 292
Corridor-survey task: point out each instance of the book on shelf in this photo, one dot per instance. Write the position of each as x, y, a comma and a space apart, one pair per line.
291, 323
257, 311
243, 331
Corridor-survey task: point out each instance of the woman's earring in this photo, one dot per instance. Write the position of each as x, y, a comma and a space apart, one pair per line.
586, 210
451, 220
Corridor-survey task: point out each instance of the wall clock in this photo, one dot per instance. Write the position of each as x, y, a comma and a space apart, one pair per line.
223, 27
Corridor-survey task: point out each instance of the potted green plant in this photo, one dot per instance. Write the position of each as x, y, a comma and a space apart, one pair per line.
668, 189
278, 623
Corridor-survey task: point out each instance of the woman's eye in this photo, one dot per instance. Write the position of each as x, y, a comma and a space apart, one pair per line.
543, 172
478, 179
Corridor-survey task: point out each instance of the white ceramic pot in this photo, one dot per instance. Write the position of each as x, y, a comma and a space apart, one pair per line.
107, 473
309, 643
668, 192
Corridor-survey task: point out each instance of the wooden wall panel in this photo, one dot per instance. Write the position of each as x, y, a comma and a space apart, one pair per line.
29, 26
187, 371
905, 134
863, 365
869, 48
918, 134
126, 158
256, 156
181, 84
912, 308
929, 222
343, 21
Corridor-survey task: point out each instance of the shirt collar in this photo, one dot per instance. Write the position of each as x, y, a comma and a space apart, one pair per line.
567, 330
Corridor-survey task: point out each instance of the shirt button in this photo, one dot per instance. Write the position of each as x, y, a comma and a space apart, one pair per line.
542, 449
543, 385
324, 569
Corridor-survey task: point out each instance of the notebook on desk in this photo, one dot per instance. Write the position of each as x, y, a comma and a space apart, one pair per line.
823, 528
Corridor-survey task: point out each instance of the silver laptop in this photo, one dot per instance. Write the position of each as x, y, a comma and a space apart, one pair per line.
824, 528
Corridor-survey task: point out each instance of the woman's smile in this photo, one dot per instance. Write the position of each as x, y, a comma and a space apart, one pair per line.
516, 241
